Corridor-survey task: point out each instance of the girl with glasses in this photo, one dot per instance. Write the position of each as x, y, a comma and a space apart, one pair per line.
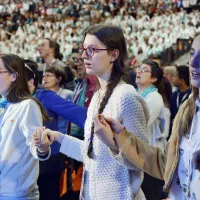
104, 53
20, 115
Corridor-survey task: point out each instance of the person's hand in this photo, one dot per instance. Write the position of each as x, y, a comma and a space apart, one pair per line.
53, 135
196, 160
42, 141
104, 132
116, 126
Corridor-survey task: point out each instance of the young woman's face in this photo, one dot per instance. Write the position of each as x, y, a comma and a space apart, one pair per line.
195, 63
6, 79
143, 76
50, 80
99, 63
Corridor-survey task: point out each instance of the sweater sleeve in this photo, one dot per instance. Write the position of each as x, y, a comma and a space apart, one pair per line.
62, 107
30, 121
142, 155
73, 147
134, 113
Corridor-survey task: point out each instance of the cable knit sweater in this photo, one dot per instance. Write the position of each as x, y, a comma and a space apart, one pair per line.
104, 177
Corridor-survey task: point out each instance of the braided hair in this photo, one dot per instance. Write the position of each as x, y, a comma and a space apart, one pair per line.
112, 37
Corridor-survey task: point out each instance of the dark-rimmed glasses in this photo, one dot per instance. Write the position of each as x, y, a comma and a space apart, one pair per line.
142, 70
89, 51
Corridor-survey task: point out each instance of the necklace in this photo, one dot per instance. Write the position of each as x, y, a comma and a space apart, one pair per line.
148, 90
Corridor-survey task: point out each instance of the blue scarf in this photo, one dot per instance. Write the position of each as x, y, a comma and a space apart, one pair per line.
3, 103
148, 90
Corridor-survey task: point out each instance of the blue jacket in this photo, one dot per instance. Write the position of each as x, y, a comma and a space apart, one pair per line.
57, 106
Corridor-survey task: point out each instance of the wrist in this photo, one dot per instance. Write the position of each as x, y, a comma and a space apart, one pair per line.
42, 154
59, 138
42, 150
120, 130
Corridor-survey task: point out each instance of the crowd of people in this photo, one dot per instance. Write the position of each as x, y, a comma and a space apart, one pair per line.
75, 118
148, 30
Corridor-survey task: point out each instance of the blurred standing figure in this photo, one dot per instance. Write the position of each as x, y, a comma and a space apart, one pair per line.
169, 73
182, 82
53, 78
49, 51
83, 93
149, 79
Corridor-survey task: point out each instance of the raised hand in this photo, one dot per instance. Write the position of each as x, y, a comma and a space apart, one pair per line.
104, 132
116, 126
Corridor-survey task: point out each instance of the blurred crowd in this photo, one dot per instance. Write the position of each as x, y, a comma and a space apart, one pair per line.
150, 27
50, 33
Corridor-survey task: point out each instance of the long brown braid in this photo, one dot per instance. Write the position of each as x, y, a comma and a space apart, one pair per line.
114, 80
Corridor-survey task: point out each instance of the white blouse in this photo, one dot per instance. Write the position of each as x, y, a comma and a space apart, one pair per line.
185, 184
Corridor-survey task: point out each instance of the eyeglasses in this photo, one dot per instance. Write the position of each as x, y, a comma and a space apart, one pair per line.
3, 72
48, 75
142, 70
89, 51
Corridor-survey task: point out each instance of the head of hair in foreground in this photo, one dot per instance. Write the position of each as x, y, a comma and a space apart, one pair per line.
18, 90
112, 38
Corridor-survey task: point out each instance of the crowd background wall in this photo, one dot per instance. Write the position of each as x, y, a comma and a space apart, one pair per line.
161, 28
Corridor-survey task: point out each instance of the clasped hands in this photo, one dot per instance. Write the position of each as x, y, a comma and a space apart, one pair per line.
106, 129
43, 138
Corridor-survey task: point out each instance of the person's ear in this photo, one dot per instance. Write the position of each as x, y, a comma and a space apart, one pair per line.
58, 79
114, 55
153, 79
13, 77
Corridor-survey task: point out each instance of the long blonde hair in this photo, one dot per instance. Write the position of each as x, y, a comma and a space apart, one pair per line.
190, 110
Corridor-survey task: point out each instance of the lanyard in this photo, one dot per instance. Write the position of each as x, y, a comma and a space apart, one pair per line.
183, 99
77, 91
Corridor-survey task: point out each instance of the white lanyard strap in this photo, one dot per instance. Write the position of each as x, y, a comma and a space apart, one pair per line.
183, 99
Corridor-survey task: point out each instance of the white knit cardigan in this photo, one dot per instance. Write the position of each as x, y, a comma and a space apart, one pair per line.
104, 177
